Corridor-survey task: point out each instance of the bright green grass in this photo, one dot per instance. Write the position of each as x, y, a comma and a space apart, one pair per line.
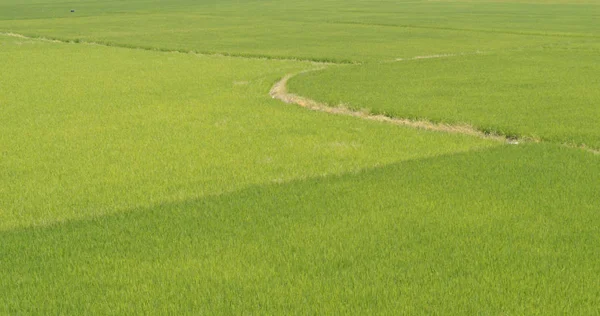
88, 130
551, 93
510, 230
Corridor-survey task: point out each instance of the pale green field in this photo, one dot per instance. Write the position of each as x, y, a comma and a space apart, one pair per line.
139, 180
550, 93
102, 129
337, 30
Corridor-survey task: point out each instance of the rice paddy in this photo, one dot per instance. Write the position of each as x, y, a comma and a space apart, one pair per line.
145, 168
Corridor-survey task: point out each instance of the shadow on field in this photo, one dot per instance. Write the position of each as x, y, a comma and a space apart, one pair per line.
510, 229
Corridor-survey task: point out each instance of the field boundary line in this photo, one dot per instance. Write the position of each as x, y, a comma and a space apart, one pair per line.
475, 30
594, 151
435, 56
323, 61
280, 92
43, 39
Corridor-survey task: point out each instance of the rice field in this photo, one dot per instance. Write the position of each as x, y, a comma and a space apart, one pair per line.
548, 94
146, 169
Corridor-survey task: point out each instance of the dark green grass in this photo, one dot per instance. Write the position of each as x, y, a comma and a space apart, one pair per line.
511, 230
550, 93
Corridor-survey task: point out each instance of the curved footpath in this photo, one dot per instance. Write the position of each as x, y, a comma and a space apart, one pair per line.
279, 91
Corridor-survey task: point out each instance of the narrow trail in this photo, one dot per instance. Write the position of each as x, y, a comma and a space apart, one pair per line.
474, 30
43, 39
440, 56
279, 91
320, 61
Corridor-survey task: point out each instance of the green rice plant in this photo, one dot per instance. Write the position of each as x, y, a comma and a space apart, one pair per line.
549, 93
89, 130
139, 175
505, 230
341, 31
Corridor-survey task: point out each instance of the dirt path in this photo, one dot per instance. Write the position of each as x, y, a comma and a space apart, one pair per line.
193, 52
30, 38
439, 56
279, 91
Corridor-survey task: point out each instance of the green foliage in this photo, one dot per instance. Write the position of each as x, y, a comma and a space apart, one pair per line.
509, 230
339, 30
139, 178
550, 93
89, 130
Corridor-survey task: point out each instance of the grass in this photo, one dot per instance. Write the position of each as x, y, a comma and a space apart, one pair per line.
548, 93
148, 181
103, 129
510, 230
308, 29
